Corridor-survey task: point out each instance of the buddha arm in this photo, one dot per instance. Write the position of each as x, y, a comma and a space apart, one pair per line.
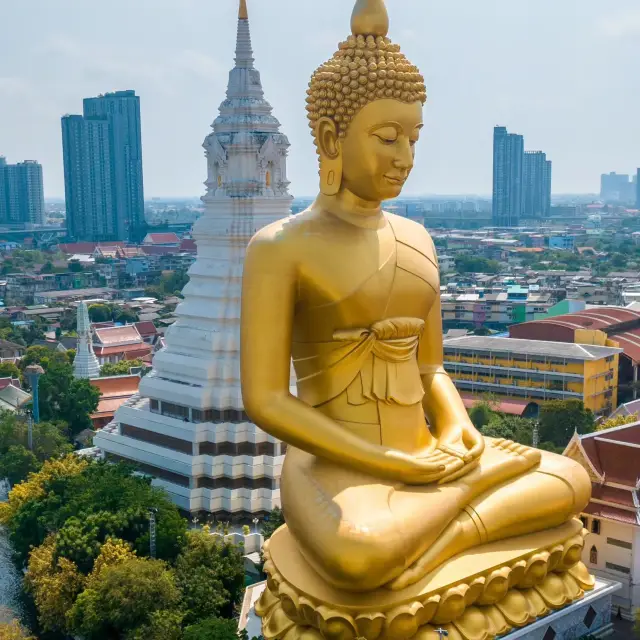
268, 303
442, 403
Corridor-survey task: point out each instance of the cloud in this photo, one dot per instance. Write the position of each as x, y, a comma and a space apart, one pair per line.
622, 24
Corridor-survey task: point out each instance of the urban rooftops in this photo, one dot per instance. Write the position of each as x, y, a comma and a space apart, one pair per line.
535, 348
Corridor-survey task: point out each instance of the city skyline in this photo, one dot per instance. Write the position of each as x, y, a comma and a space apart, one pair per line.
558, 94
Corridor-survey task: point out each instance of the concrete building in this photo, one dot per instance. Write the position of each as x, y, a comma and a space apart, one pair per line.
508, 165
612, 548
21, 193
536, 174
103, 169
617, 326
493, 310
187, 426
617, 188
638, 190
534, 370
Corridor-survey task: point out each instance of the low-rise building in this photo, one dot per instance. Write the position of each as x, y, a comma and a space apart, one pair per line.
114, 392
612, 517
535, 370
113, 344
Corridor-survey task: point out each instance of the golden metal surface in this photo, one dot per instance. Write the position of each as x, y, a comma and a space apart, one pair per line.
386, 478
475, 596
243, 14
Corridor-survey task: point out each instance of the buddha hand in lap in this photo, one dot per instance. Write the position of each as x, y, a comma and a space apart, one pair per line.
386, 478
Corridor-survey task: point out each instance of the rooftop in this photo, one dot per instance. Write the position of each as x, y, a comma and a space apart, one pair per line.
532, 347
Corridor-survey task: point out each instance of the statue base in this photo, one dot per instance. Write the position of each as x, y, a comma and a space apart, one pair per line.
481, 594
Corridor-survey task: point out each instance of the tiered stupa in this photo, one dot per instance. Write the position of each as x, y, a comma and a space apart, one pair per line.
188, 427
85, 364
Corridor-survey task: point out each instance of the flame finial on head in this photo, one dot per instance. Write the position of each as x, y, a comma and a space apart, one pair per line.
243, 14
370, 17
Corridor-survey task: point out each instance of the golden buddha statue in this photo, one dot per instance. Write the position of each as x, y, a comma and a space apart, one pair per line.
395, 505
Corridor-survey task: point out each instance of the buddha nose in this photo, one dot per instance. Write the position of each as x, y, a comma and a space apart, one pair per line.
404, 157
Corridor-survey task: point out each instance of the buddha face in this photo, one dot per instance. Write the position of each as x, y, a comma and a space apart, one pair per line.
379, 148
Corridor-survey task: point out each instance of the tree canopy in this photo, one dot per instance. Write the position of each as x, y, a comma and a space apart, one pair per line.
62, 396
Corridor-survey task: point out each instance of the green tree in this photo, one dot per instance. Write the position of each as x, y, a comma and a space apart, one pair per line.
100, 313
123, 598
559, 419
476, 264
162, 625
17, 463
273, 522
212, 629
125, 316
62, 396
14, 631
618, 421
98, 500
49, 438
481, 414
510, 428
121, 368
210, 575
9, 370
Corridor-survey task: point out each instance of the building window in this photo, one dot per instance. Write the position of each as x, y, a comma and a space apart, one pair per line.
595, 526
593, 555
155, 405
585, 522
620, 543
618, 568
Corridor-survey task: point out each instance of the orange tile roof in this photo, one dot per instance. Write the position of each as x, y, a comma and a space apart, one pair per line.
116, 386
118, 335
133, 351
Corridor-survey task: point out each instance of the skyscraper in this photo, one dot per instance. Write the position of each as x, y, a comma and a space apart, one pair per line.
537, 185
103, 169
21, 193
188, 427
617, 188
508, 164
638, 189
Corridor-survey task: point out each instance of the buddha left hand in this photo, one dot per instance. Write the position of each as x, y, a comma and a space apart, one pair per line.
463, 441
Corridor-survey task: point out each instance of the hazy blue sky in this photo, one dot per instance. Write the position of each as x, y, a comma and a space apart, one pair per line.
562, 72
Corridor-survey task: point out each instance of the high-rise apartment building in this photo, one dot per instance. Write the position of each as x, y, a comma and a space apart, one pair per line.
508, 165
638, 190
103, 169
21, 193
617, 188
536, 185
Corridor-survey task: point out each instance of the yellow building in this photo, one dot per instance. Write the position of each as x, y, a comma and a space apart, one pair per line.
535, 370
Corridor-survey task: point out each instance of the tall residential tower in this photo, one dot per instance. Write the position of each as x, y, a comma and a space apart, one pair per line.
508, 165
188, 427
536, 185
103, 169
21, 193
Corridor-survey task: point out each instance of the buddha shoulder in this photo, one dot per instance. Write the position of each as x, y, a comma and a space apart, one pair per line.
413, 235
280, 239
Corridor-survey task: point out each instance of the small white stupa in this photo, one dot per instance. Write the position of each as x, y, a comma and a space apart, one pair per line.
86, 363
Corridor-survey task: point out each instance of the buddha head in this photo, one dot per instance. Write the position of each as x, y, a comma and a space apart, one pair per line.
365, 110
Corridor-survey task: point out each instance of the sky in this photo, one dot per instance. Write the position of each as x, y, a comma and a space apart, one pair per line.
564, 73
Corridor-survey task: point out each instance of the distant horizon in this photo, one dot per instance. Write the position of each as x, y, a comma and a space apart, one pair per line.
401, 197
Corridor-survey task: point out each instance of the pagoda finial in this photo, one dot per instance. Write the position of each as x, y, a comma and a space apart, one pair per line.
370, 17
243, 13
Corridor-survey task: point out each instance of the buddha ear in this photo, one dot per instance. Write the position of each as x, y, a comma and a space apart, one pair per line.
328, 142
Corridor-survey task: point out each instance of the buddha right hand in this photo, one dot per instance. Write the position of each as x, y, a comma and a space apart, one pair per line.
430, 469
